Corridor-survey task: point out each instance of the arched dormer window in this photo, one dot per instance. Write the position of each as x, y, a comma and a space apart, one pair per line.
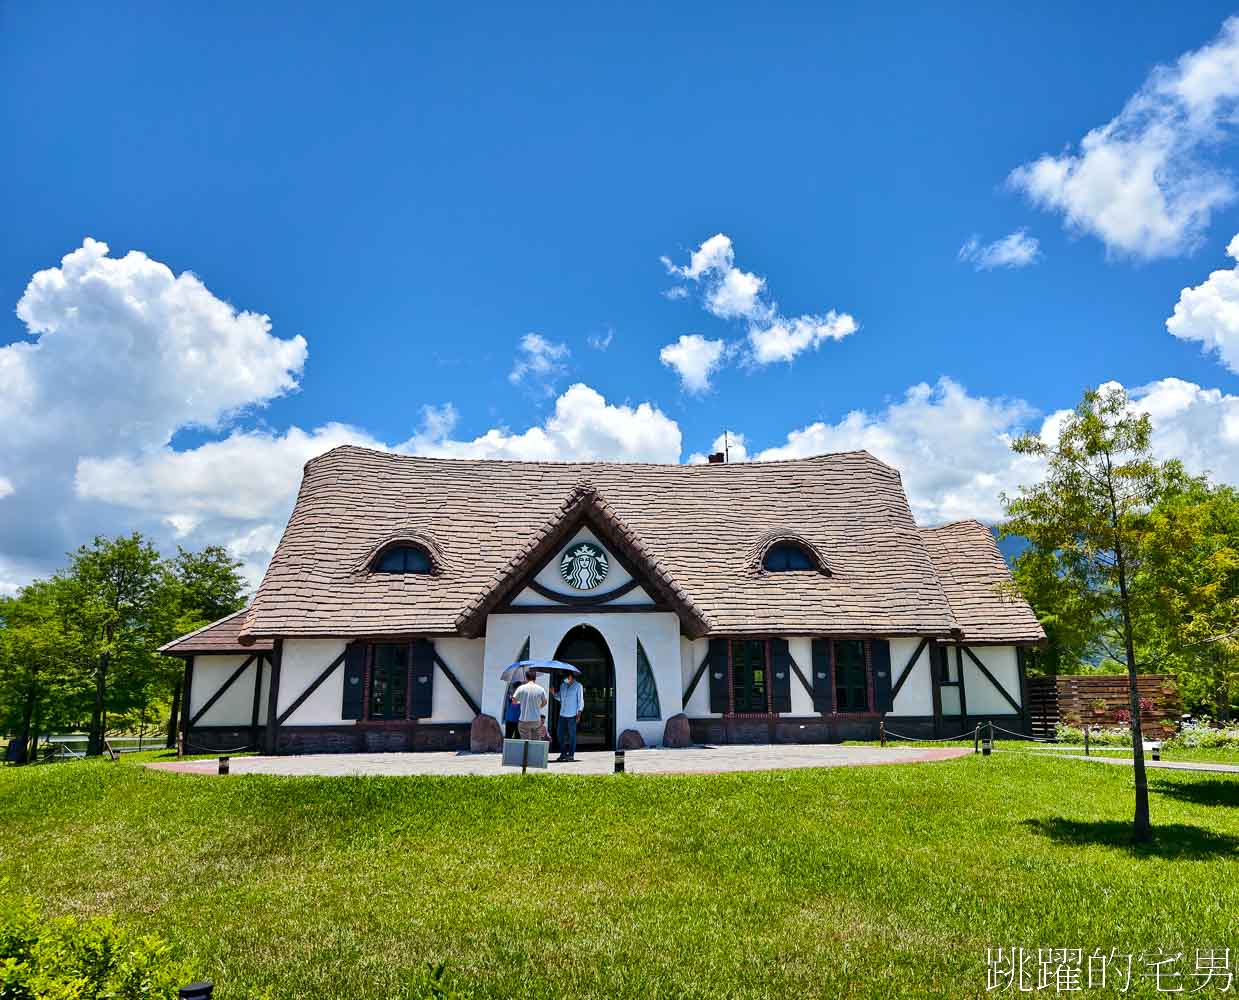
403, 559
786, 556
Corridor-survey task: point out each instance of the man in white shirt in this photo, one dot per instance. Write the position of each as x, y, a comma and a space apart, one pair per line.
531, 696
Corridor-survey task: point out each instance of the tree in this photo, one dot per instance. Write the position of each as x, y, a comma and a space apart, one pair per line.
117, 586
1086, 522
41, 659
1189, 566
200, 588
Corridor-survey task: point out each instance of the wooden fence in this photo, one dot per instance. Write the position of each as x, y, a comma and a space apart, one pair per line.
1102, 700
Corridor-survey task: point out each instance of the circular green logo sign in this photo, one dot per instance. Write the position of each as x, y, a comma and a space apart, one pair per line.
583, 565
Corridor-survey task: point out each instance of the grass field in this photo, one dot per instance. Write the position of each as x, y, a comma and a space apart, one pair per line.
852, 882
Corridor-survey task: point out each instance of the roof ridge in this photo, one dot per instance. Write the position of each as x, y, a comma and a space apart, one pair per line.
561, 463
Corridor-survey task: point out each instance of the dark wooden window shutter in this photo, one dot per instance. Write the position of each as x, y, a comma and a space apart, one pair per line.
422, 674
880, 656
780, 676
823, 679
719, 686
354, 681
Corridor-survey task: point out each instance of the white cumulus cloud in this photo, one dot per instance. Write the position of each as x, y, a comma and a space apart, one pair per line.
1209, 312
121, 353
1143, 183
730, 293
1016, 249
695, 359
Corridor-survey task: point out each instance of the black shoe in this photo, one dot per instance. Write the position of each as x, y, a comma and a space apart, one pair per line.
560, 759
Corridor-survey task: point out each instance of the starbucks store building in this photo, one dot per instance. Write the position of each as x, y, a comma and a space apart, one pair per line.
758, 602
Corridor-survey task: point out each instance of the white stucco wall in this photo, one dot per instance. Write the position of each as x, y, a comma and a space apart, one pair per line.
549, 577
982, 697
692, 652
802, 654
465, 657
660, 636
303, 660
236, 707
916, 697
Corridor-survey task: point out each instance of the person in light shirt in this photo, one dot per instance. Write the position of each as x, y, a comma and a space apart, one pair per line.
531, 696
571, 698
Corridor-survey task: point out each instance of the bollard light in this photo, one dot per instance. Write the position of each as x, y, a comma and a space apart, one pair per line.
196, 991
987, 744
619, 761
1157, 751
223, 765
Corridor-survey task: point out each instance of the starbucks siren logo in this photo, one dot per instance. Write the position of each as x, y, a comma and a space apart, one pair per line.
583, 566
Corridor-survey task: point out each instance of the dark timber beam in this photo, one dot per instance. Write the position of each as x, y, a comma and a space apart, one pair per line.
581, 600
906, 672
804, 681
220, 693
273, 697
314, 686
696, 678
992, 679
257, 700
460, 689
963, 696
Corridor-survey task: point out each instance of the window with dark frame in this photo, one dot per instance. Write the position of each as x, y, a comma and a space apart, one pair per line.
787, 556
851, 678
403, 559
389, 681
749, 675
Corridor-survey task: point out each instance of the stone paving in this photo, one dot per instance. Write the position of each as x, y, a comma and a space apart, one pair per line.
1168, 765
692, 760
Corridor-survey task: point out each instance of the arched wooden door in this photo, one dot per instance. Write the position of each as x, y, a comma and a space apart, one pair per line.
586, 649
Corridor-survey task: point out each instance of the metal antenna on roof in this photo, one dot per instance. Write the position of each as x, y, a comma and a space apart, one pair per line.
726, 448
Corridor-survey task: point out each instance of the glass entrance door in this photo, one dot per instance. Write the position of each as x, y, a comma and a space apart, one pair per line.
586, 650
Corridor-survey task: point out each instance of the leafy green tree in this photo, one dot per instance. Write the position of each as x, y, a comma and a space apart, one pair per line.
199, 588
1189, 567
1087, 520
41, 659
118, 585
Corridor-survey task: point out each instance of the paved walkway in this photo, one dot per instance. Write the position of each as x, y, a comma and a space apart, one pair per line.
693, 760
1166, 765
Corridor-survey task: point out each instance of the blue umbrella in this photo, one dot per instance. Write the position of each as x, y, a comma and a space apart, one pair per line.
524, 667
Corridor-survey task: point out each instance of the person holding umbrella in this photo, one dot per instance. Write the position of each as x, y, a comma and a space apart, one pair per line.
571, 698
531, 697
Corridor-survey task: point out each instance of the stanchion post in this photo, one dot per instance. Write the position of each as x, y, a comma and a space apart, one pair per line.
223, 765
976, 739
882, 731
196, 991
1086, 751
525, 757
619, 761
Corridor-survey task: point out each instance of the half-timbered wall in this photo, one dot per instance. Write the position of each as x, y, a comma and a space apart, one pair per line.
236, 706
303, 661
916, 696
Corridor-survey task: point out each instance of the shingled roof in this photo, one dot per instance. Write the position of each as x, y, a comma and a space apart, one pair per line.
218, 637
699, 529
976, 580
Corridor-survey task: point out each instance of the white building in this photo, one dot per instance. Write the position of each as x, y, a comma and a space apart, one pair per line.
767, 602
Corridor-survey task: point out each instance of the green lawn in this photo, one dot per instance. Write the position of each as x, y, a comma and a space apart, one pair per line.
853, 882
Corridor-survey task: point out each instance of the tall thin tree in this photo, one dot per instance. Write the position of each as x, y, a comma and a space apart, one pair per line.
1086, 520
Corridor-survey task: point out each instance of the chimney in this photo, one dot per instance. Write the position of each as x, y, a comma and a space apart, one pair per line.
717, 458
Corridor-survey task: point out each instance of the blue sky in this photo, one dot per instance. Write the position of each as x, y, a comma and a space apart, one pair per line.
413, 190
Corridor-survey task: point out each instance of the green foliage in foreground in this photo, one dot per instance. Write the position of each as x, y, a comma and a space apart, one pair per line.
850, 882
67, 958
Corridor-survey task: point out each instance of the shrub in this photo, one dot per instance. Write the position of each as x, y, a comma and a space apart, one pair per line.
63, 959
1201, 733
1114, 737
